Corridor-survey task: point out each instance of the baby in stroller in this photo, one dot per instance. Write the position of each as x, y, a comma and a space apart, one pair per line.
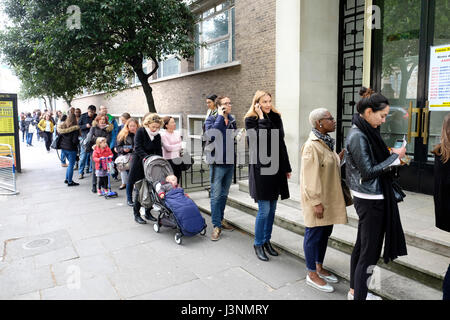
171, 182
186, 213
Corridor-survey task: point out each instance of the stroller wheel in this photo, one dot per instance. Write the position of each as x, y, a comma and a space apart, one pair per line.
156, 227
178, 238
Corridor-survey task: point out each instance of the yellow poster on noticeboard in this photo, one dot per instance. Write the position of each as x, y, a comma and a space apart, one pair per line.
9, 128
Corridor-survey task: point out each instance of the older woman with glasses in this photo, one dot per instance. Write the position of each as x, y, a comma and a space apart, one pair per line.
323, 206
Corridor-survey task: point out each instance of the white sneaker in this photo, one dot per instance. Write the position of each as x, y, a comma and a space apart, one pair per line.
330, 279
369, 296
325, 288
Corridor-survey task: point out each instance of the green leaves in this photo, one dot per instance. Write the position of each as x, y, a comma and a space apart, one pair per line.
114, 38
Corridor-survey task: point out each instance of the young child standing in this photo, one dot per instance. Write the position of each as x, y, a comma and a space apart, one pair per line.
101, 151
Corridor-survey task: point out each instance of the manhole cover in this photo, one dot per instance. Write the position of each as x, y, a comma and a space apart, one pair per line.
37, 243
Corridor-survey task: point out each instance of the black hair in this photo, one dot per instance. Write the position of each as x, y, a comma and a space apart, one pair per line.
212, 97
92, 107
371, 99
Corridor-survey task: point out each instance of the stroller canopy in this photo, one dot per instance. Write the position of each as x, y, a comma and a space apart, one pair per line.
156, 169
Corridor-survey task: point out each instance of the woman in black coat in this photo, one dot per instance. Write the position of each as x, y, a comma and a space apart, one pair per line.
146, 142
442, 189
100, 128
267, 181
69, 132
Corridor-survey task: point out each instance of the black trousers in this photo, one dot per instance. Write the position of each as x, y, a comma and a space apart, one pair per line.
446, 285
137, 205
176, 171
368, 245
48, 138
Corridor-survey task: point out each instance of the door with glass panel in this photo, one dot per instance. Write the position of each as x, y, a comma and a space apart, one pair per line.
401, 53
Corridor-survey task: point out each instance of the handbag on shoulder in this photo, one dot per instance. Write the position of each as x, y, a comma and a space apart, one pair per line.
56, 143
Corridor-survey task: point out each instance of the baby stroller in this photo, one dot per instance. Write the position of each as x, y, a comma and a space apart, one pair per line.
182, 214
108, 165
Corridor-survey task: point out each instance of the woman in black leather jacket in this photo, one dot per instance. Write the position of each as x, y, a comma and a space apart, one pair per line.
369, 176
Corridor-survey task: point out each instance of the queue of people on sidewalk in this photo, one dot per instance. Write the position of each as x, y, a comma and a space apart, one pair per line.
368, 164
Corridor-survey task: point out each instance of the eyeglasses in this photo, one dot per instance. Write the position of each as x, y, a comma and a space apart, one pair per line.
330, 118
226, 104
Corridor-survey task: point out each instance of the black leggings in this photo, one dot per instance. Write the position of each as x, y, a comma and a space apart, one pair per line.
48, 137
102, 182
368, 245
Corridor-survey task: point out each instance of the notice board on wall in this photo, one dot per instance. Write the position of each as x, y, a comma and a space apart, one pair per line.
9, 126
439, 79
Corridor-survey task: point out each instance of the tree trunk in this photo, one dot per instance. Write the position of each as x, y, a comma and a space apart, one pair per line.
143, 78
50, 103
45, 102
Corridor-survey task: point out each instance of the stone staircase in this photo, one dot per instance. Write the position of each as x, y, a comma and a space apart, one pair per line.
417, 276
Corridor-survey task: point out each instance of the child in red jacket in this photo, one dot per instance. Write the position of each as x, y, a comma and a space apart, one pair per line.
101, 152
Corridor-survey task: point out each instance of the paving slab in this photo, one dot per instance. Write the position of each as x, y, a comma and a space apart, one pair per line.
98, 288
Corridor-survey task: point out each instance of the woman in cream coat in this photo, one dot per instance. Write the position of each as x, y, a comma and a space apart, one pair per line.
322, 197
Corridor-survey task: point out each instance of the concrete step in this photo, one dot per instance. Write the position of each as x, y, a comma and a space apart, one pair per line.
419, 265
385, 283
416, 213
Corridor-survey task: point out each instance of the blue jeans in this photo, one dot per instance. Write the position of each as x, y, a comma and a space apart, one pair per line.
29, 138
264, 221
221, 177
72, 157
85, 160
315, 245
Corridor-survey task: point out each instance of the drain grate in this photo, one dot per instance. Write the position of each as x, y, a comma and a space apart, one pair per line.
37, 243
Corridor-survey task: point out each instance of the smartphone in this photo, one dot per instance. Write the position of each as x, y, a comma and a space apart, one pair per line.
398, 143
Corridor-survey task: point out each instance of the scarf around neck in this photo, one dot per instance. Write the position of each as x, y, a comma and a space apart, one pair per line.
394, 242
329, 141
151, 134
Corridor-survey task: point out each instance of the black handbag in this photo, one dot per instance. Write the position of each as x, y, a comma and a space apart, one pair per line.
347, 194
398, 192
56, 143
181, 164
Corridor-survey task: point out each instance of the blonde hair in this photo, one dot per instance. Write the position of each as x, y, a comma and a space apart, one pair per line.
99, 141
150, 118
123, 134
257, 97
443, 149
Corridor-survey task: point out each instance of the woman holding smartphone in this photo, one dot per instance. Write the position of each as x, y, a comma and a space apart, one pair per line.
369, 164
266, 188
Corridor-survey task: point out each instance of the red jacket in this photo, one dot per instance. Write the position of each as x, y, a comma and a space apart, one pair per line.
99, 153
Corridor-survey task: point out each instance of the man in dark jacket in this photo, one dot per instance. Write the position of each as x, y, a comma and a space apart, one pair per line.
85, 124
219, 151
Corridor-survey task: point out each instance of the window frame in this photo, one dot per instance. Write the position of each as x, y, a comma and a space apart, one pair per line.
161, 66
230, 36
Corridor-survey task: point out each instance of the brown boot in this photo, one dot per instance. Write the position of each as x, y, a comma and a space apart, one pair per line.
226, 226
215, 236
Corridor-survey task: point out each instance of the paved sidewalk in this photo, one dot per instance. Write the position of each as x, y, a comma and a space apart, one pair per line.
67, 243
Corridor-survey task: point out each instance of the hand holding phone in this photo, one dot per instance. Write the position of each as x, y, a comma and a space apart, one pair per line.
258, 110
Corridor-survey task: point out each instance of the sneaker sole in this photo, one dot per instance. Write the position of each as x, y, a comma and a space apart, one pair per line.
320, 288
328, 279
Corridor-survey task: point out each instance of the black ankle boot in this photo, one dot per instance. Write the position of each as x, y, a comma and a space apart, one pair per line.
270, 250
148, 216
137, 216
259, 250
139, 220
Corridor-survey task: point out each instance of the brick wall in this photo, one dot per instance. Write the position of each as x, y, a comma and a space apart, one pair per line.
255, 49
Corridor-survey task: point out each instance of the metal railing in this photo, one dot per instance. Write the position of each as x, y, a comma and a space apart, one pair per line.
7, 171
197, 177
